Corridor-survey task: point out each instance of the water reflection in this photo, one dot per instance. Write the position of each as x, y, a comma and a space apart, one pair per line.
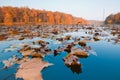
20, 79
55, 53
75, 69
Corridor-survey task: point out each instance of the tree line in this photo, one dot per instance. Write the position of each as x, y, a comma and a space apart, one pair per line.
113, 19
10, 16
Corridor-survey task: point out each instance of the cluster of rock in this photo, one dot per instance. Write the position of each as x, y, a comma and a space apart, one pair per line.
72, 59
47, 31
31, 60
10, 61
36, 49
23, 32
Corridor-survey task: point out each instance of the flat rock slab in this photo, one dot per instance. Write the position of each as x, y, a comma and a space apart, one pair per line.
30, 70
27, 52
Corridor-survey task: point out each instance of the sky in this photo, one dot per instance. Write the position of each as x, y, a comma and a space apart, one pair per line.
88, 9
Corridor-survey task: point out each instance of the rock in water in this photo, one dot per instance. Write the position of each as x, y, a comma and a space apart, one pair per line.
71, 60
82, 43
30, 70
10, 61
80, 53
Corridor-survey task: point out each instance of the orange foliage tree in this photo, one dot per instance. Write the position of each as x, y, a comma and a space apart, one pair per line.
113, 19
24, 16
8, 19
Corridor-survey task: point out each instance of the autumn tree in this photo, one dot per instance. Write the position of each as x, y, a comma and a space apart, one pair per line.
24, 16
113, 19
50, 16
8, 19
1, 16
57, 18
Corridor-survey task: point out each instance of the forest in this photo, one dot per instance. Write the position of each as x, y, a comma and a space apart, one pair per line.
113, 19
19, 16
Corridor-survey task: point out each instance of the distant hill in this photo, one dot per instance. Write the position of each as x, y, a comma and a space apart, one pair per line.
113, 19
25, 16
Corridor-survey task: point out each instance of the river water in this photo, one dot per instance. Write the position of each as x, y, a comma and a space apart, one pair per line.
103, 66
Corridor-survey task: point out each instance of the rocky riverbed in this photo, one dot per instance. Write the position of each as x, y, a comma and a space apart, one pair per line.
34, 43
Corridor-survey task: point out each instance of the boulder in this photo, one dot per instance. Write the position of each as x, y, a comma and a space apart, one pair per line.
82, 43
67, 37
21, 38
71, 60
80, 53
68, 48
96, 38
59, 39
96, 34
40, 41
